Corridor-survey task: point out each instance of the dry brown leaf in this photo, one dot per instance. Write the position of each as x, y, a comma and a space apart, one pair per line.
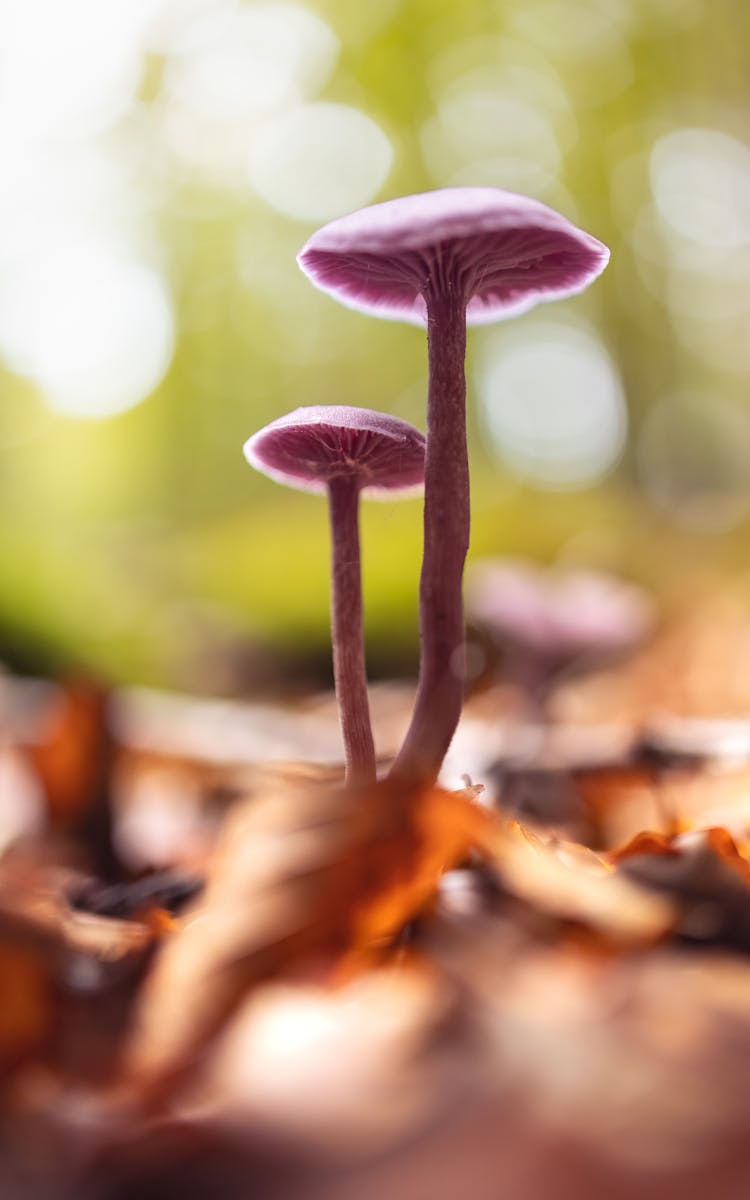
399, 868
72, 753
706, 873
726, 848
68, 750
27, 1005
324, 876
624, 802
35, 913
570, 882
644, 1057
326, 879
647, 842
378, 1042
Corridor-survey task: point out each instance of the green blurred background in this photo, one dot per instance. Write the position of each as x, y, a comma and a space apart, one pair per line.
164, 161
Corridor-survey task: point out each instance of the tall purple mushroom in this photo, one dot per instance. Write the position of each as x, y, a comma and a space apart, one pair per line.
345, 452
445, 258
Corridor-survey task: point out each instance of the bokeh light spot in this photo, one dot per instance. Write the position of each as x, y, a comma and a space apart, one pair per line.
252, 60
700, 179
576, 31
176, 26
477, 121
66, 70
553, 403
589, 39
90, 325
319, 161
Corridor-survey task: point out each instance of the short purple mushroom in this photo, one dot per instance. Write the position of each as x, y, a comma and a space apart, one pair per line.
345, 452
444, 258
554, 620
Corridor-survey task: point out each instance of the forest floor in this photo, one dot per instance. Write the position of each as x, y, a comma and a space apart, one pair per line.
225, 975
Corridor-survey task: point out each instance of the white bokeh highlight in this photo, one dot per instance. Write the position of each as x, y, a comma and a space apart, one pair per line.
176, 26
90, 325
552, 403
700, 179
591, 42
251, 60
478, 121
504, 125
67, 70
318, 161
62, 194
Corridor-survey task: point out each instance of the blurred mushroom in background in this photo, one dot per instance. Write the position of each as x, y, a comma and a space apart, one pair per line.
550, 622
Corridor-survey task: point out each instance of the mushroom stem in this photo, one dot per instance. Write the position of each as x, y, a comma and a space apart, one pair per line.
350, 678
446, 542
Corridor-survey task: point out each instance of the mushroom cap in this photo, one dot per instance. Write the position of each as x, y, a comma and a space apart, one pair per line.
508, 251
558, 612
312, 446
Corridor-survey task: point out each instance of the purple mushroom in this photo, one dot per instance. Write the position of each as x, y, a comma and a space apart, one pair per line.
344, 452
444, 258
550, 620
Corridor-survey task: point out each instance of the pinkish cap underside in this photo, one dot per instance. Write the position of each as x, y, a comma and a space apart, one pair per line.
509, 253
574, 610
310, 447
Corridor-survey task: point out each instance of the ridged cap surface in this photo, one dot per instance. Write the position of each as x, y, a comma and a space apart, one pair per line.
310, 447
507, 251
